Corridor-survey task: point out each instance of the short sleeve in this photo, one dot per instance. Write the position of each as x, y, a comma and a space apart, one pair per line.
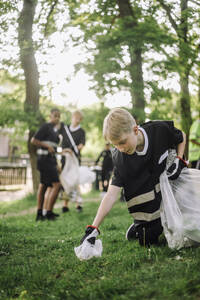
116, 178
175, 135
82, 140
41, 133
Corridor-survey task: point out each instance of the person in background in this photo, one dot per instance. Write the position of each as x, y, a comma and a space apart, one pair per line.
78, 135
107, 166
46, 140
139, 158
194, 144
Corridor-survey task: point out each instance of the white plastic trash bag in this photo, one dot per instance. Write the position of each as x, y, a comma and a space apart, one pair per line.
73, 174
86, 175
86, 250
180, 208
69, 176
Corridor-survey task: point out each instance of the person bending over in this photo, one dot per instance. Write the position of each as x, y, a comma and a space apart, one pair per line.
139, 158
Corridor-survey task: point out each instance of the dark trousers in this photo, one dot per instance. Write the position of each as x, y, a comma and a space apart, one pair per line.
105, 177
148, 232
194, 164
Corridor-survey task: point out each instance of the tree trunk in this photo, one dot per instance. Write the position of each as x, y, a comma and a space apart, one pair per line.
137, 90
199, 92
186, 119
135, 50
28, 62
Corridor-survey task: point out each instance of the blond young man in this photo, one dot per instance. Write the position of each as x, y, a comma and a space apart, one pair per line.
139, 159
78, 135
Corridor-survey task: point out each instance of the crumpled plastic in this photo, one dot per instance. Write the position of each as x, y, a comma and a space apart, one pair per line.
87, 250
73, 174
86, 175
69, 176
180, 208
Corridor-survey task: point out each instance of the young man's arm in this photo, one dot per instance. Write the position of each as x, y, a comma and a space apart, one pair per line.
181, 146
109, 199
106, 204
39, 143
98, 158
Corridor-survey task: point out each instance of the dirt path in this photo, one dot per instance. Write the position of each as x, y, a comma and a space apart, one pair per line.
24, 212
32, 210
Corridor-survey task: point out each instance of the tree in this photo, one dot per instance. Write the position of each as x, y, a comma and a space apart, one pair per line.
28, 62
118, 36
113, 30
182, 18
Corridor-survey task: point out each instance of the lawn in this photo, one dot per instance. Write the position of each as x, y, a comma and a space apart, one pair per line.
37, 260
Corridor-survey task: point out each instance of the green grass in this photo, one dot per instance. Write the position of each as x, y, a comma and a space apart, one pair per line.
37, 261
18, 205
30, 202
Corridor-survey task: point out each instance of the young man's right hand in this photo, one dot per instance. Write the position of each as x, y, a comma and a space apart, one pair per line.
51, 149
175, 169
90, 234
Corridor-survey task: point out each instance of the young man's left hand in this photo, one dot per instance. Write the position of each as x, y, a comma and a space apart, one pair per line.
90, 234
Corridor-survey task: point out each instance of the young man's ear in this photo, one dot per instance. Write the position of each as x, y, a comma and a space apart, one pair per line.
135, 129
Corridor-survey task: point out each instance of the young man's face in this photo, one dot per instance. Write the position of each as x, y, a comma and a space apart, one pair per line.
76, 119
127, 142
55, 117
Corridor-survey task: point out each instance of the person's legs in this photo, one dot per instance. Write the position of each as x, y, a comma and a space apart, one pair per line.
65, 198
40, 201
194, 164
52, 199
46, 200
104, 180
79, 200
106, 175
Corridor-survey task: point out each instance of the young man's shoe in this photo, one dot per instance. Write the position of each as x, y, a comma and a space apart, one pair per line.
50, 215
65, 209
56, 215
79, 208
131, 233
39, 216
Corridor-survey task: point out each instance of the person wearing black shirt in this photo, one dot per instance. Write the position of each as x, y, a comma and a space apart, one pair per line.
47, 139
139, 159
78, 135
107, 166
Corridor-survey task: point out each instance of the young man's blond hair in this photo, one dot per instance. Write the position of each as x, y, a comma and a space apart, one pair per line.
78, 113
118, 122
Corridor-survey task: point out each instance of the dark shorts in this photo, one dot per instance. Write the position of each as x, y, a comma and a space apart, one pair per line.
48, 171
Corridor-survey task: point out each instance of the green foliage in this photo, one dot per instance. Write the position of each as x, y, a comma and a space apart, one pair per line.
38, 261
10, 111
19, 205
166, 108
93, 125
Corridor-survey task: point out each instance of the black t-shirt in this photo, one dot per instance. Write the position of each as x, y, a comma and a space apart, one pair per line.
47, 133
107, 163
78, 137
139, 173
